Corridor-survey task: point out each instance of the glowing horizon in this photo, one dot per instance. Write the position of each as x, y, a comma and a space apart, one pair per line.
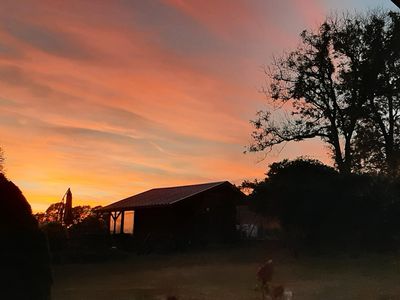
114, 98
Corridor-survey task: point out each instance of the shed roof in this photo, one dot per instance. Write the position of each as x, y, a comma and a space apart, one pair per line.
161, 196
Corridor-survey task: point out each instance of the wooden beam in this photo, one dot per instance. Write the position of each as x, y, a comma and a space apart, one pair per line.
115, 215
115, 223
122, 222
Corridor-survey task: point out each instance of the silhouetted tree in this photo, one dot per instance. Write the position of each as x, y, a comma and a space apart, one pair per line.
298, 192
24, 252
378, 136
81, 212
338, 82
52, 213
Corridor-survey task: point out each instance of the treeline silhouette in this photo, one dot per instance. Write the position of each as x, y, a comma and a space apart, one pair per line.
323, 210
79, 213
85, 240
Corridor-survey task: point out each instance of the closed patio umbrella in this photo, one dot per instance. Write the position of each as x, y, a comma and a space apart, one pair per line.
68, 218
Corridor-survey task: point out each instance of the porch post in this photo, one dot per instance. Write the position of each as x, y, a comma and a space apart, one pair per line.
122, 221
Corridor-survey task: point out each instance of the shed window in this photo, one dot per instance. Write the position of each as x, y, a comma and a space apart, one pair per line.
115, 222
116, 219
129, 221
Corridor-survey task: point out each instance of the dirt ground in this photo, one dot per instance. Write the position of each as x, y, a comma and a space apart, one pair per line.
229, 273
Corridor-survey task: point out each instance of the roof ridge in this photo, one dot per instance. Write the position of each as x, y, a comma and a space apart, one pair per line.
214, 185
172, 194
187, 185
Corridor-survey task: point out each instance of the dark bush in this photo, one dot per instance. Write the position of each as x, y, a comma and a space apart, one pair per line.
57, 237
23, 251
320, 209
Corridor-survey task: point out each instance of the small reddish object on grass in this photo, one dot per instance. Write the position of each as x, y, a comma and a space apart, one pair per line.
265, 272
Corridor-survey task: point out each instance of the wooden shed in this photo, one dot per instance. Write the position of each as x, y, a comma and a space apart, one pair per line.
197, 213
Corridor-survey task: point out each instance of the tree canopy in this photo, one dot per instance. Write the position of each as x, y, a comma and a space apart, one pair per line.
342, 85
79, 213
24, 252
294, 191
317, 206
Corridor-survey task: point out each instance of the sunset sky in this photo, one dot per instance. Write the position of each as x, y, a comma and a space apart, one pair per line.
112, 98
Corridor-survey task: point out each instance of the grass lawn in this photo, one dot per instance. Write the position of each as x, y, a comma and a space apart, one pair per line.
229, 273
